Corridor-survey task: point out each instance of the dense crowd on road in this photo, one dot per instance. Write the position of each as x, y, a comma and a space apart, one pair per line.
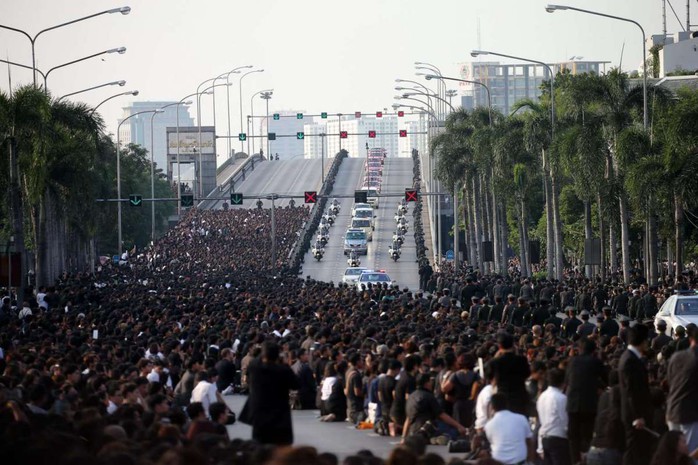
132, 365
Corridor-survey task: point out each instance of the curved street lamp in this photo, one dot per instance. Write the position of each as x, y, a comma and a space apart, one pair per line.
124, 10
121, 83
131, 92
242, 144
265, 91
429, 77
119, 50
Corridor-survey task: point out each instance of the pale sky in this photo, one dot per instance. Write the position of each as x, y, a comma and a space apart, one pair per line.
318, 55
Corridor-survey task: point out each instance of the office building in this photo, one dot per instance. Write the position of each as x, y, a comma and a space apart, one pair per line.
137, 129
286, 145
315, 145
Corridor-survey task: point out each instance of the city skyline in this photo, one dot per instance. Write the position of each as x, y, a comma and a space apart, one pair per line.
338, 73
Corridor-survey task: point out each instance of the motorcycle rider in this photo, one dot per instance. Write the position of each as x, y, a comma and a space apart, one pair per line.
354, 258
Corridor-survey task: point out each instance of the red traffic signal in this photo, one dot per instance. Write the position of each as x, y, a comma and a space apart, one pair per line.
400, 113
411, 195
403, 132
310, 196
379, 114
357, 114
343, 134
372, 134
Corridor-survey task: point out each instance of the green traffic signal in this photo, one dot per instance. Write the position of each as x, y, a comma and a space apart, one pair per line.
187, 200
323, 115
276, 116
135, 200
299, 115
300, 135
242, 136
236, 198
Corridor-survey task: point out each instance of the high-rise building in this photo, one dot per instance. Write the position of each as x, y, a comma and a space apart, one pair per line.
137, 129
509, 83
286, 145
315, 144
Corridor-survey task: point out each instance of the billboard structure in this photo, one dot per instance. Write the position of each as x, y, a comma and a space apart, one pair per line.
193, 154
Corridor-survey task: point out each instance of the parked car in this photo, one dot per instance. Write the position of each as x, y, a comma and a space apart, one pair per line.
679, 309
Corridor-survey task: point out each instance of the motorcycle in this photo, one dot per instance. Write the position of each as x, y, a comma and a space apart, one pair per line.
399, 237
322, 239
353, 261
401, 209
333, 210
402, 229
394, 252
318, 251
330, 219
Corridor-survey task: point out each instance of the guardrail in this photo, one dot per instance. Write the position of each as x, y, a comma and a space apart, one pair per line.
303, 243
238, 175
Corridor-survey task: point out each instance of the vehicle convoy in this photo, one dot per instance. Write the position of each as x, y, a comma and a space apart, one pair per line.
351, 274
372, 277
355, 239
680, 309
366, 214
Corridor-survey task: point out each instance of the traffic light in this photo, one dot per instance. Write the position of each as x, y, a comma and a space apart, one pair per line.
372, 134
343, 134
410, 195
400, 113
403, 132
310, 196
357, 114
271, 136
242, 137
276, 116
379, 114
323, 115
236, 198
187, 200
360, 197
300, 135
135, 200
299, 115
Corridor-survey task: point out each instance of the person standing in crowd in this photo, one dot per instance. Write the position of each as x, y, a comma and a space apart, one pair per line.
585, 378
267, 408
404, 387
552, 413
509, 434
354, 389
308, 387
682, 400
509, 374
636, 400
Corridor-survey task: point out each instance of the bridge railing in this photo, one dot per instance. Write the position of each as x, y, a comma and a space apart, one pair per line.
239, 175
303, 242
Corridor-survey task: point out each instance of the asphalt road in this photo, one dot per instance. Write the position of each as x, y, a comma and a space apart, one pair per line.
339, 438
397, 175
291, 177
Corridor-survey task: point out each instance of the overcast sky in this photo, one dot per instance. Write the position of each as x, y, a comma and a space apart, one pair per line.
318, 55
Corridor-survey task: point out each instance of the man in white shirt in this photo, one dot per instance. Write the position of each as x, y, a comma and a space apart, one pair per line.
482, 407
509, 434
553, 444
205, 390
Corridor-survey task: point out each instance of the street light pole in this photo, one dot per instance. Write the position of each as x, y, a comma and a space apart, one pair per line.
199, 178
227, 98
179, 165
270, 91
131, 92
118, 169
485, 86
152, 166
267, 96
124, 10
554, 8
119, 50
242, 144
113, 83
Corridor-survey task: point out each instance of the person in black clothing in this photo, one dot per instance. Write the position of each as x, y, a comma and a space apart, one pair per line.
609, 437
518, 317
609, 327
509, 374
620, 302
541, 314
404, 387
661, 339
636, 400
587, 328
308, 387
422, 407
497, 311
585, 377
386, 388
571, 323
468, 291
509, 309
354, 389
267, 408
226, 370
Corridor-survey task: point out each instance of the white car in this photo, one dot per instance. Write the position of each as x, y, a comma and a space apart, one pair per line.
359, 206
372, 277
679, 309
352, 273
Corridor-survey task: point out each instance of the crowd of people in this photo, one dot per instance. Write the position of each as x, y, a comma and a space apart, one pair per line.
132, 365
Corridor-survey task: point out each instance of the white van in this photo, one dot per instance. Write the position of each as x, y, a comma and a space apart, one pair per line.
364, 224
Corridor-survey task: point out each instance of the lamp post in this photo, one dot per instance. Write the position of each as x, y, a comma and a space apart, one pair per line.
242, 145
124, 10
119, 50
479, 83
130, 92
270, 91
199, 178
179, 165
227, 98
152, 165
434, 69
113, 83
267, 96
450, 93
118, 168
419, 92
476, 53
554, 8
